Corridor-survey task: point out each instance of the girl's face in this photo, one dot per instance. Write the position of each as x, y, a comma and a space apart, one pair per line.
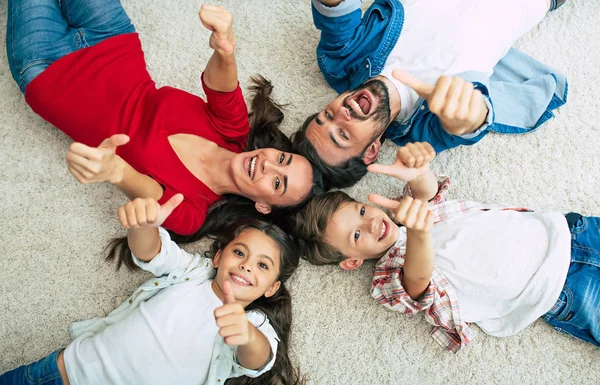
361, 231
251, 264
272, 178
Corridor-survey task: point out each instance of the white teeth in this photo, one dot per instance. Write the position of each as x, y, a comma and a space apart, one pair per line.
355, 106
252, 165
240, 280
383, 228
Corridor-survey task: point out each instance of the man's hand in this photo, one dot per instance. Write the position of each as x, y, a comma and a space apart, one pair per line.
412, 162
459, 106
146, 212
218, 20
411, 213
96, 165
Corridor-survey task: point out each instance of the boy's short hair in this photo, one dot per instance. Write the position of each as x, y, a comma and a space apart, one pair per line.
311, 224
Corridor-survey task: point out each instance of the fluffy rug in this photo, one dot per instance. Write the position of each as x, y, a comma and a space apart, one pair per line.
54, 229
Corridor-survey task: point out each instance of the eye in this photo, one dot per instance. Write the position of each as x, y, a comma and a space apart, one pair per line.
238, 252
281, 158
362, 211
357, 235
328, 115
343, 135
277, 183
263, 266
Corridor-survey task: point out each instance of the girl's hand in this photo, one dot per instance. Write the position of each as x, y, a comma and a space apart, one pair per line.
414, 214
232, 321
96, 165
146, 212
412, 161
218, 20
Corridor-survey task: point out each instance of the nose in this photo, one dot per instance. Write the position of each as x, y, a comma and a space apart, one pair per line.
343, 114
270, 166
371, 225
245, 266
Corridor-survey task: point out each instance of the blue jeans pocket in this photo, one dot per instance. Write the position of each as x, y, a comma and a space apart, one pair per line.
561, 311
44, 371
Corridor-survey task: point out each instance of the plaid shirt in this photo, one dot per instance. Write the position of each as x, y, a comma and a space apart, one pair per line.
439, 301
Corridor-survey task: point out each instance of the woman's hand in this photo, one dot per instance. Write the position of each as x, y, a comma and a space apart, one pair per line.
146, 212
97, 164
218, 20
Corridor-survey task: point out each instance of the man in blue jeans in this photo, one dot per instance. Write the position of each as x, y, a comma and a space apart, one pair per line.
460, 78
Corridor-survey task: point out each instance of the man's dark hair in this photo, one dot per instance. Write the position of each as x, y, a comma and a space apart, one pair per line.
342, 175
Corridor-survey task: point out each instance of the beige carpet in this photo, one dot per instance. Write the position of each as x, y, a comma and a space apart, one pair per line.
54, 229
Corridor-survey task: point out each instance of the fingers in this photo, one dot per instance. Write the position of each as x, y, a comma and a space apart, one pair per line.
382, 201
84, 151
114, 141
215, 18
415, 215
228, 293
423, 89
170, 205
233, 324
416, 155
139, 213
386, 169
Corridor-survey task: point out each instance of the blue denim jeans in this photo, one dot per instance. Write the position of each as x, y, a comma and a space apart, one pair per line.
577, 310
39, 32
42, 372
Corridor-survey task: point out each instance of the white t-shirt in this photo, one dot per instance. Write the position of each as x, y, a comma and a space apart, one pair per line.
442, 37
506, 267
167, 340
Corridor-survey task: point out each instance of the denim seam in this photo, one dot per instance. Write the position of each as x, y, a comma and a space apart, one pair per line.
32, 63
580, 229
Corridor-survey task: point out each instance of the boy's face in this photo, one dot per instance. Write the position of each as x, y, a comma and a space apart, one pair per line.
360, 231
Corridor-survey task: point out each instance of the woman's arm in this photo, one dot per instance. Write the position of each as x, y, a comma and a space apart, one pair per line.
102, 164
221, 70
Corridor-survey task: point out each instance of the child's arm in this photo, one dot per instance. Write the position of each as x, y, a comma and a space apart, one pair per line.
142, 217
253, 348
418, 260
412, 166
102, 164
221, 70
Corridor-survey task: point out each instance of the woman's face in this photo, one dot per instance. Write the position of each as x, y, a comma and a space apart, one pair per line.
272, 178
251, 263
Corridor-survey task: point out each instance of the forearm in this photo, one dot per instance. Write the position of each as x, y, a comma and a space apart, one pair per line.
136, 185
418, 263
144, 243
425, 187
256, 353
221, 73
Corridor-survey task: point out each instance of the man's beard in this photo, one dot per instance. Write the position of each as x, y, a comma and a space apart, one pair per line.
382, 115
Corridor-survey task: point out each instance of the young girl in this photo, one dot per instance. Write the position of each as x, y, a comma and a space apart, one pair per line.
498, 266
200, 321
81, 67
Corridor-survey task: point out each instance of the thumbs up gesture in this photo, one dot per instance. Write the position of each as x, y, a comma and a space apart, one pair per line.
412, 162
97, 164
459, 106
220, 21
414, 214
231, 319
146, 212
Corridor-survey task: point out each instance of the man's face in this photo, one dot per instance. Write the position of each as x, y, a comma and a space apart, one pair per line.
350, 122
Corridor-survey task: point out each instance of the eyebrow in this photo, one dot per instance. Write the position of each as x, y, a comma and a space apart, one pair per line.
335, 142
242, 244
267, 257
285, 178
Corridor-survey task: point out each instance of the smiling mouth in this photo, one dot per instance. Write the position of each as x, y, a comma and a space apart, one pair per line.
252, 167
361, 103
239, 280
384, 230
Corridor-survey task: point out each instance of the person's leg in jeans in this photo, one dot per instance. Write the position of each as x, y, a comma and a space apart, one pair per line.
577, 311
42, 372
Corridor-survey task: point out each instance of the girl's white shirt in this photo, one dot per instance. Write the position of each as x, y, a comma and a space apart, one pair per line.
173, 338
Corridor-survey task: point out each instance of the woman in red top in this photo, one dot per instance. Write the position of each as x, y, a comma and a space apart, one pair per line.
81, 68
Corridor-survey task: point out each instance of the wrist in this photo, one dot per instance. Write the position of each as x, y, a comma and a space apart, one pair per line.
118, 173
421, 235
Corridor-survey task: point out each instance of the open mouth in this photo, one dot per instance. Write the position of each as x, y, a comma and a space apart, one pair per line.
251, 166
361, 103
239, 280
385, 229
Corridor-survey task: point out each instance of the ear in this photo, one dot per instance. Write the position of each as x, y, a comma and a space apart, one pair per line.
372, 151
351, 263
217, 258
273, 289
263, 208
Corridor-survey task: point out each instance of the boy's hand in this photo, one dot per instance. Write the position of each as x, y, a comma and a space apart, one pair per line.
146, 212
414, 214
460, 107
97, 164
412, 162
218, 20
232, 321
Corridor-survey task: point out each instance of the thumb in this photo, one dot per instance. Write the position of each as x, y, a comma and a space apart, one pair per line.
114, 141
167, 208
384, 202
386, 169
422, 88
228, 293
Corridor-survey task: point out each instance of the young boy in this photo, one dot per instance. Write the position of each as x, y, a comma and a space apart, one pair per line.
459, 262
